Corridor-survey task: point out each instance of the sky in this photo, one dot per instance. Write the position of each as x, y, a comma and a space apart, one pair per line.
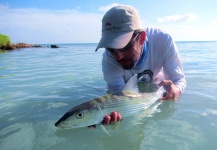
79, 21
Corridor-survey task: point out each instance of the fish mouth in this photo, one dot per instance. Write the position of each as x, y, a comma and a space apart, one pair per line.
57, 123
61, 121
62, 124
65, 126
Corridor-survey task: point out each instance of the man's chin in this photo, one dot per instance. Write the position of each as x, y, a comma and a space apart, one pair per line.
127, 65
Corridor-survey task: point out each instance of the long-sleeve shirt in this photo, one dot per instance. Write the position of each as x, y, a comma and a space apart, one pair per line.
159, 54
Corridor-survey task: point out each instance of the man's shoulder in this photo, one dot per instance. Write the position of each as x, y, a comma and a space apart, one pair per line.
107, 56
156, 35
156, 31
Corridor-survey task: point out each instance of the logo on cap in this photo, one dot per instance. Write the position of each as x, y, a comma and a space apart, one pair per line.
110, 27
108, 24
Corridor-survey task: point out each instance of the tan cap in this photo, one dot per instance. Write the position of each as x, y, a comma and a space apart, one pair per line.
118, 25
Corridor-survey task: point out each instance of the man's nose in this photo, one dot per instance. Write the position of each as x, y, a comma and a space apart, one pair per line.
118, 55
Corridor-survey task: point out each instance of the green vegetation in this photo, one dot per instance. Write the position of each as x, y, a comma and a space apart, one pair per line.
5, 42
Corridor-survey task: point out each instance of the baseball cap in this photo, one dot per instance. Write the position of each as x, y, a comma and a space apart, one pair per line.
118, 25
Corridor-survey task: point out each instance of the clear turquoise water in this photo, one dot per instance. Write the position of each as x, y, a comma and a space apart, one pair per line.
38, 85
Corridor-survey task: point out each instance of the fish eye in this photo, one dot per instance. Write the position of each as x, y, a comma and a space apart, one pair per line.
79, 115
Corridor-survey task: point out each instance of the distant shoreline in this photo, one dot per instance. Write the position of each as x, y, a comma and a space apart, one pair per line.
17, 46
24, 45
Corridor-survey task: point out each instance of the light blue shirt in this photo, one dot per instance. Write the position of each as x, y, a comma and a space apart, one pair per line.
159, 54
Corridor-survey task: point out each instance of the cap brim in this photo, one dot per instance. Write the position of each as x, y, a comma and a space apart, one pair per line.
115, 41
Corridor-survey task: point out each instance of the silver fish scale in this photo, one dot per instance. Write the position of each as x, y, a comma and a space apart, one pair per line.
127, 104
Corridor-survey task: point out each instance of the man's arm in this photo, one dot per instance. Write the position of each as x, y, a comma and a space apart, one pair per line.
112, 73
175, 82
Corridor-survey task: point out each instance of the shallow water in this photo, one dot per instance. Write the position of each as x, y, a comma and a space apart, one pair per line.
38, 85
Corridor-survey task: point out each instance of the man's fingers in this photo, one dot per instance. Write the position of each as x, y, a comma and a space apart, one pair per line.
119, 117
168, 96
106, 119
112, 118
165, 83
165, 98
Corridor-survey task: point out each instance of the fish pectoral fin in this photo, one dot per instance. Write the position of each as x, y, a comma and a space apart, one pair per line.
131, 85
104, 129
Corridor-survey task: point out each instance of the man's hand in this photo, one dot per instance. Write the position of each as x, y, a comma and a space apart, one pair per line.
109, 119
173, 91
112, 118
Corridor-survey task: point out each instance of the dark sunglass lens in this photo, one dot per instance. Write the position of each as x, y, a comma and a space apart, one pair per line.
111, 50
129, 45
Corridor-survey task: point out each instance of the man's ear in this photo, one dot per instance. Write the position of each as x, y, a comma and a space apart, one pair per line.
142, 37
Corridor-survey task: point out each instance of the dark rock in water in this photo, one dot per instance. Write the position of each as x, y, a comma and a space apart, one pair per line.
36, 46
54, 46
25, 45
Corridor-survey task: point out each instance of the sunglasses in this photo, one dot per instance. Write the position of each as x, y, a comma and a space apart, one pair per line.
126, 48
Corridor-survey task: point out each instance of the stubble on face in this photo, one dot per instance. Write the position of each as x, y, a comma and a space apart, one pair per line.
127, 63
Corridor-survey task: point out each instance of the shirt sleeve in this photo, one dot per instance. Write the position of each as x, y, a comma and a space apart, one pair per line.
112, 74
172, 67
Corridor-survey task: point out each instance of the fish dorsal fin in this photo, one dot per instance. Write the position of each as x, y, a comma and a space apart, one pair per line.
131, 85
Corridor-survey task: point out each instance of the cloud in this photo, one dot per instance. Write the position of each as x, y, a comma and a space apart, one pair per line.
49, 26
78, 7
178, 18
2, 6
214, 22
189, 32
106, 8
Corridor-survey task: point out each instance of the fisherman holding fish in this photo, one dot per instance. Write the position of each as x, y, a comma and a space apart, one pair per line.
131, 53
130, 50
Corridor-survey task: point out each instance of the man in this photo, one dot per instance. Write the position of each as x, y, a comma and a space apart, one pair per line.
131, 50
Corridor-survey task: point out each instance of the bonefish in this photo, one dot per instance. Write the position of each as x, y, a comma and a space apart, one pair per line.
128, 102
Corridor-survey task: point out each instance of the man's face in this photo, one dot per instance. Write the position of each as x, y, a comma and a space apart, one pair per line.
128, 56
